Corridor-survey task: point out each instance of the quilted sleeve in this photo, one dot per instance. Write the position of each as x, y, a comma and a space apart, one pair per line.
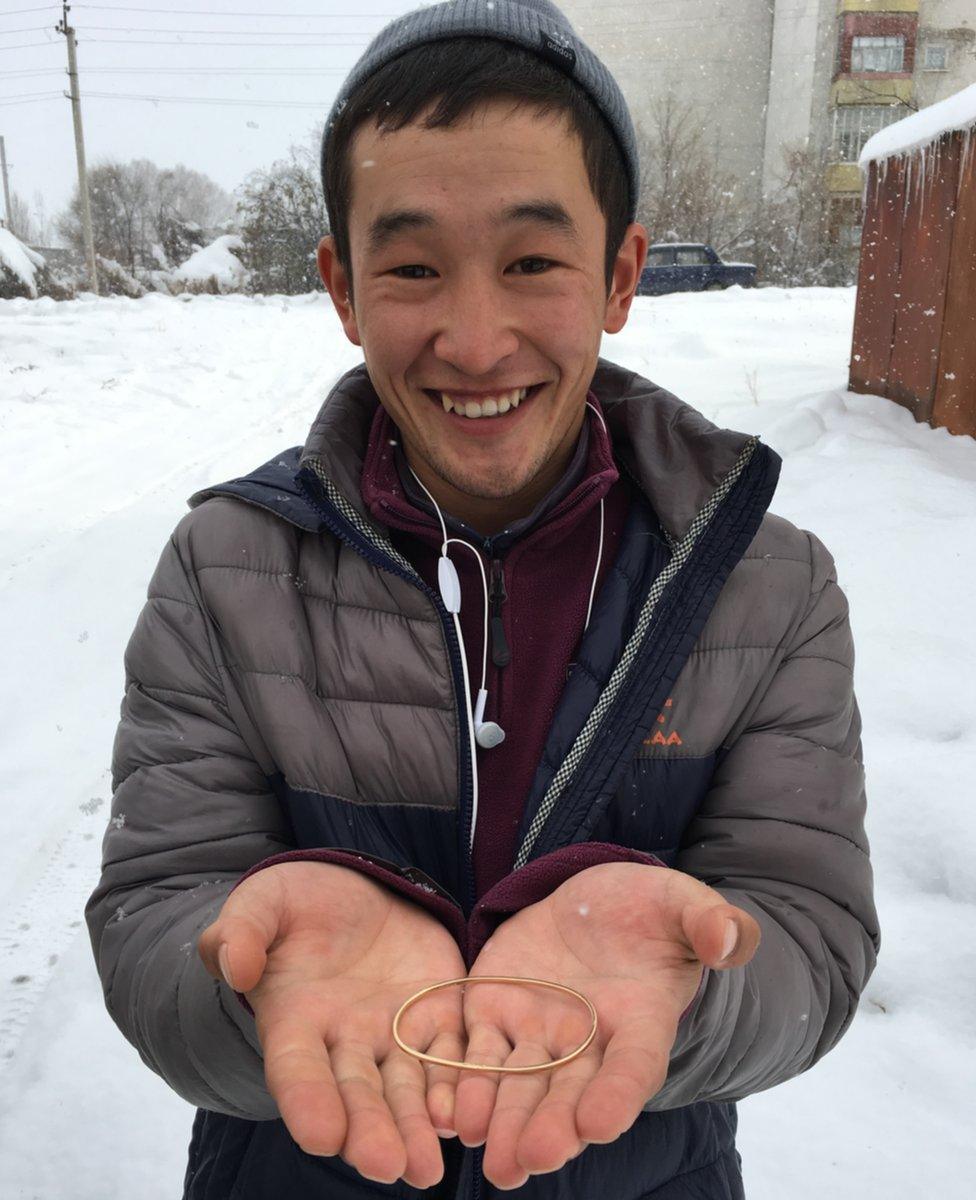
781, 835
191, 812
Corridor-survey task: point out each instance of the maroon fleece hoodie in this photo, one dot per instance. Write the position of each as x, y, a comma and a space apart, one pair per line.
546, 571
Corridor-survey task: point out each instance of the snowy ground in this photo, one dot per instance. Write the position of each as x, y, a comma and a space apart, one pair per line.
113, 411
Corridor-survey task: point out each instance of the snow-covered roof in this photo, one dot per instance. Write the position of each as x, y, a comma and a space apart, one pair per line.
20, 260
921, 128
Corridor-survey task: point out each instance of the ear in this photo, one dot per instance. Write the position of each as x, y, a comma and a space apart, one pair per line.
339, 286
626, 276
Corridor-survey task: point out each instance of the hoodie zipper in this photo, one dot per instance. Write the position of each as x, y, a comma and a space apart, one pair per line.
501, 654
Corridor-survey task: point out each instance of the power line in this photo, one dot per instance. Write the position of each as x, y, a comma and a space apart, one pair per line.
28, 45
215, 12
232, 71
34, 98
321, 105
185, 42
16, 12
29, 29
218, 32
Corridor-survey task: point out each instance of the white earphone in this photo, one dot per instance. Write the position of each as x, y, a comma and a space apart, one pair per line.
486, 734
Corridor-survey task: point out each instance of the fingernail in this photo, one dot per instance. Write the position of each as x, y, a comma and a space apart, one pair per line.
731, 939
223, 959
445, 1133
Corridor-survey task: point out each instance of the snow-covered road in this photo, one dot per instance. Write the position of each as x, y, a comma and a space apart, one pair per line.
113, 411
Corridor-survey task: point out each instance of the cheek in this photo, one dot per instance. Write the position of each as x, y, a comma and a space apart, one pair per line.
393, 334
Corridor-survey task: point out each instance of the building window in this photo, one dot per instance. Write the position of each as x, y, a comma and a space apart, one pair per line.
855, 123
936, 58
877, 54
845, 219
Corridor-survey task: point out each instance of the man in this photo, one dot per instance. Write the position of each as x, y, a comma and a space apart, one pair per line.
506, 672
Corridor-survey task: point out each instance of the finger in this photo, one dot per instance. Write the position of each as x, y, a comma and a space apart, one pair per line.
550, 1137
234, 948
373, 1144
405, 1091
299, 1077
517, 1099
442, 1082
721, 935
474, 1098
634, 1068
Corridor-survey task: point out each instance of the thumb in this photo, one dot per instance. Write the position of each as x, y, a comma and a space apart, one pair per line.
720, 934
235, 947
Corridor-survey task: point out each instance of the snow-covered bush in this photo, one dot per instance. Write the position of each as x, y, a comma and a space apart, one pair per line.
21, 268
213, 269
115, 280
282, 217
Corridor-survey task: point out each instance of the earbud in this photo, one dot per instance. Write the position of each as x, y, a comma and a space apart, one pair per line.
486, 733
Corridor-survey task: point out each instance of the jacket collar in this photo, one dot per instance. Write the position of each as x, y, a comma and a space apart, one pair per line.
674, 455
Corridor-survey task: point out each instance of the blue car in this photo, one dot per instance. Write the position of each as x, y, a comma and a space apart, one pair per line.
690, 267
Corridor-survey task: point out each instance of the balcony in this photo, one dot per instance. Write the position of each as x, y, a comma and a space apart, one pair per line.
844, 178
877, 6
867, 89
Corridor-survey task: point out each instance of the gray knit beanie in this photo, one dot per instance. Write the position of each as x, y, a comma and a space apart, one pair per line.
537, 25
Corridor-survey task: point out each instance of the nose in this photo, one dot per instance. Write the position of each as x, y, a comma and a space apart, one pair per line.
475, 332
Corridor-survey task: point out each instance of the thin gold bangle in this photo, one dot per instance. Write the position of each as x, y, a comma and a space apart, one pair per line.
463, 1066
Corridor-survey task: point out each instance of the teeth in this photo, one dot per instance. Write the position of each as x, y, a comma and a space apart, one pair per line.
491, 406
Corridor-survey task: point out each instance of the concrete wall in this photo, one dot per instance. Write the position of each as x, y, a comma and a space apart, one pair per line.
949, 23
713, 54
803, 49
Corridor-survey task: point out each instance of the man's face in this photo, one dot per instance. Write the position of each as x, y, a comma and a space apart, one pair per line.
478, 256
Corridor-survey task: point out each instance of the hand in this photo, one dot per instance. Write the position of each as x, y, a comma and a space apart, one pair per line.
635, 940
325, 957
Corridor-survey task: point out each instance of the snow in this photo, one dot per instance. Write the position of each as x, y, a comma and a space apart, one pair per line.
956, 112
113, 411
216, 261
20, 260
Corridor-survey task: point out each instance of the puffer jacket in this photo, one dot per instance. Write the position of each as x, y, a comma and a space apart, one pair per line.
293, 683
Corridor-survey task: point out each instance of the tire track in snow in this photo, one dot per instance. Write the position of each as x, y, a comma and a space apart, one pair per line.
35, 933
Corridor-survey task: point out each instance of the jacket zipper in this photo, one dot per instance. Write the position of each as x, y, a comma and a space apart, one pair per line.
343, 529
346, 531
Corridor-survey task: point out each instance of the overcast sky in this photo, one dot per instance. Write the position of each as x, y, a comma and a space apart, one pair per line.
281, 69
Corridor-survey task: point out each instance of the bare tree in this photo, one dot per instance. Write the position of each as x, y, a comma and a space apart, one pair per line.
685, 193
143, 216
790, 238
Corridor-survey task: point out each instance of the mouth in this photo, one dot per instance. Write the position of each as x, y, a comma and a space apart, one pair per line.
478, 406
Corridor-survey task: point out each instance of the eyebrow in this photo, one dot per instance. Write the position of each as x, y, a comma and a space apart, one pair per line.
387, 226
548, 213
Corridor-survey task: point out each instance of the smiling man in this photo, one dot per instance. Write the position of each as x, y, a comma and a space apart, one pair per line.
508, 671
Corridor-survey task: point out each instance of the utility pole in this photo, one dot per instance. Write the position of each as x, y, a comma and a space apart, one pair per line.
69, 33
9, 221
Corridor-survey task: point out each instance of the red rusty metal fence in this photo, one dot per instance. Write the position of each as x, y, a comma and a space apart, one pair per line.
915, 320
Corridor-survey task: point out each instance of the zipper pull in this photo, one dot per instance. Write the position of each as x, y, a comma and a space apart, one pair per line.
501, 655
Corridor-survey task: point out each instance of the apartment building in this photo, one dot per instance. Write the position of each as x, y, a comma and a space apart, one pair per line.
768, 76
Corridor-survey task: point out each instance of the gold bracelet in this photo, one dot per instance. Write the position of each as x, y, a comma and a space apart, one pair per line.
462, 1066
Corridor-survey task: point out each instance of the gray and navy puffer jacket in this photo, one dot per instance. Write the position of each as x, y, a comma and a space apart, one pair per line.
293, 683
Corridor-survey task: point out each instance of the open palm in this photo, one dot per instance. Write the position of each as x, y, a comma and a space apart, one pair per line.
326, 957
634, 939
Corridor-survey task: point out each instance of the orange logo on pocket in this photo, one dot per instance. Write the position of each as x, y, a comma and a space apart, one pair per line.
658, 738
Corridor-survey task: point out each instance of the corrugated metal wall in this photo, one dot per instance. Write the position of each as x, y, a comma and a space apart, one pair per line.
915, 320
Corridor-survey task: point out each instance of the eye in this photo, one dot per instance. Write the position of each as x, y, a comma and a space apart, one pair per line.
412, 271
534, 266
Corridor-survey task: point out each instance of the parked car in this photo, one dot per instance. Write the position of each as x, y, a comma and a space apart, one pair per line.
690, 267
